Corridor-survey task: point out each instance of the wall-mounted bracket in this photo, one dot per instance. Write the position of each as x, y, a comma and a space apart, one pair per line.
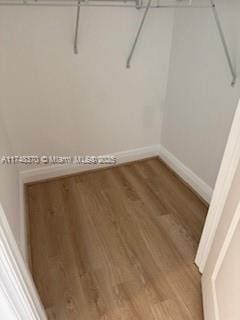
224, 43
138, 33
139, 4
75, 49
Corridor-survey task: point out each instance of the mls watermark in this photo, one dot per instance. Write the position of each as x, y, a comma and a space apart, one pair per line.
53, 159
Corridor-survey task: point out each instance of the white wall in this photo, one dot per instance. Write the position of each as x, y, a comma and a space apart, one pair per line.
56, 102
200, 102
9, 188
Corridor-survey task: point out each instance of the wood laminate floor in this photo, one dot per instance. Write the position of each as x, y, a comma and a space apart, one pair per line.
116, 244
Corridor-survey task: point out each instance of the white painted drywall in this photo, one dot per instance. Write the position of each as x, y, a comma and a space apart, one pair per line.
56, 102
9, 188
200, 102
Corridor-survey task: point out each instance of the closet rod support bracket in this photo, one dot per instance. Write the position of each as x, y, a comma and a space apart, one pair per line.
138, 34
75, 48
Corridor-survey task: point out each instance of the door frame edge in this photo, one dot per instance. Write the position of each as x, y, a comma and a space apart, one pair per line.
224, 180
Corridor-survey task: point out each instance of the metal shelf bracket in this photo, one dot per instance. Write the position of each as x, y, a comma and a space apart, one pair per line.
138, 33
224, 43
75, 48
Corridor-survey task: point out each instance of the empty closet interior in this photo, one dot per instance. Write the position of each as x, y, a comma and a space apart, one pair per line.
151, 84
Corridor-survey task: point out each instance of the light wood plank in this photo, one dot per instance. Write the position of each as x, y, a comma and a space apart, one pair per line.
116, 244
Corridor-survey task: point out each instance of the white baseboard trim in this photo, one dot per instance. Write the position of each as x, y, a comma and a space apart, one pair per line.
53, 171
196, 183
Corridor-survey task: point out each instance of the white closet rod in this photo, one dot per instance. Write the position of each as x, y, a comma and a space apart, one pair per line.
138, 4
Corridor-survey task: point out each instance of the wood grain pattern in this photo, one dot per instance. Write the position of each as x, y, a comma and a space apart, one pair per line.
117, 244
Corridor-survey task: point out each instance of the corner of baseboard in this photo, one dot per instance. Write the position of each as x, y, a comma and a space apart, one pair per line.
193, 180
